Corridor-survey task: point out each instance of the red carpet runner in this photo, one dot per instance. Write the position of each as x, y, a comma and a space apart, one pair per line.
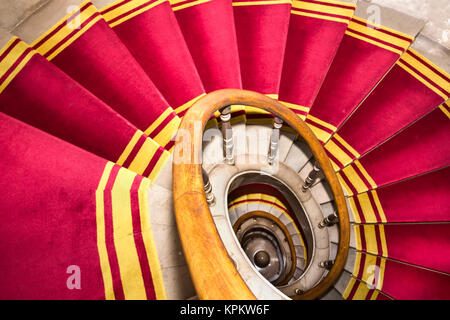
35, 91
413, 88
261, 30
208, 29
393, 203
150, 31
423, 147
316, 29
77, 213
94, 56
397, 280
116, 87
365, 55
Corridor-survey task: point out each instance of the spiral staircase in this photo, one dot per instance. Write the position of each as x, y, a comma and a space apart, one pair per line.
218, 149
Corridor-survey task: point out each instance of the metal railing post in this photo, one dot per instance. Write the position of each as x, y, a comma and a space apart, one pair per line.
210, 199
312, 176
329, 221
274, 140
227, 133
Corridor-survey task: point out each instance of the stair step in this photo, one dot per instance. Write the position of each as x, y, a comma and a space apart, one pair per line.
241, 210
94, 53
299, 155
395, 237
322, 192
208, 29
79, 195
239, 139
307, 60
333, 233
367, 72
395, 200
161, 204
396, 159
276, 212
300, 251
285, 144
49, 106
178, 283
387, 106
351, 260
164, 176
212, 149
253, 206
343, 282
261, 44
261, 134
333, 294
114, 93
264, 207
168, 245
233, 216
298, 272
431, 285
157, 43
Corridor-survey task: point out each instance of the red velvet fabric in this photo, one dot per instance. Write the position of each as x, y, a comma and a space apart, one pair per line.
100, 62
156, 41
421, 148
261, 35
396, 102
209, 31
45, 97
422, 199
406, 282
311, 46
425, 245
370, 294
47, 214
357, 67
56, 222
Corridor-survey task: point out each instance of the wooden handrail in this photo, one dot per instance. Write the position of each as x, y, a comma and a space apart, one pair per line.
213, 272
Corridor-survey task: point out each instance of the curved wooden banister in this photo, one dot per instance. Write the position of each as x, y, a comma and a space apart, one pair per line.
213, 272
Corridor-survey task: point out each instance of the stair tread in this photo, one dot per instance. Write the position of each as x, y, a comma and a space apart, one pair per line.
112, 93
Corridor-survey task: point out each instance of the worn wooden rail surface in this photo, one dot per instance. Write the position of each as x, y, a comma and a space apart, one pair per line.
213, 272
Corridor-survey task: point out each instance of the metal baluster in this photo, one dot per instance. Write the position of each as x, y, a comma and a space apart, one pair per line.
329, 221
274, 140
312, 176
210, 199
327, 264
227, 133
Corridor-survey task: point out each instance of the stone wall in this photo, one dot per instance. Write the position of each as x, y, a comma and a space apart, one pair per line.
436, 12
13, 12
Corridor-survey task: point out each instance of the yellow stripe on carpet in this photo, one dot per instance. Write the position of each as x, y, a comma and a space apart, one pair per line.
188, 104
128, 10
379, 33
126, 152
186, 5
127, 256
101, 231
144, 156
324, 8
67, 34
149, 242
260, 3
425, 74
11, 58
